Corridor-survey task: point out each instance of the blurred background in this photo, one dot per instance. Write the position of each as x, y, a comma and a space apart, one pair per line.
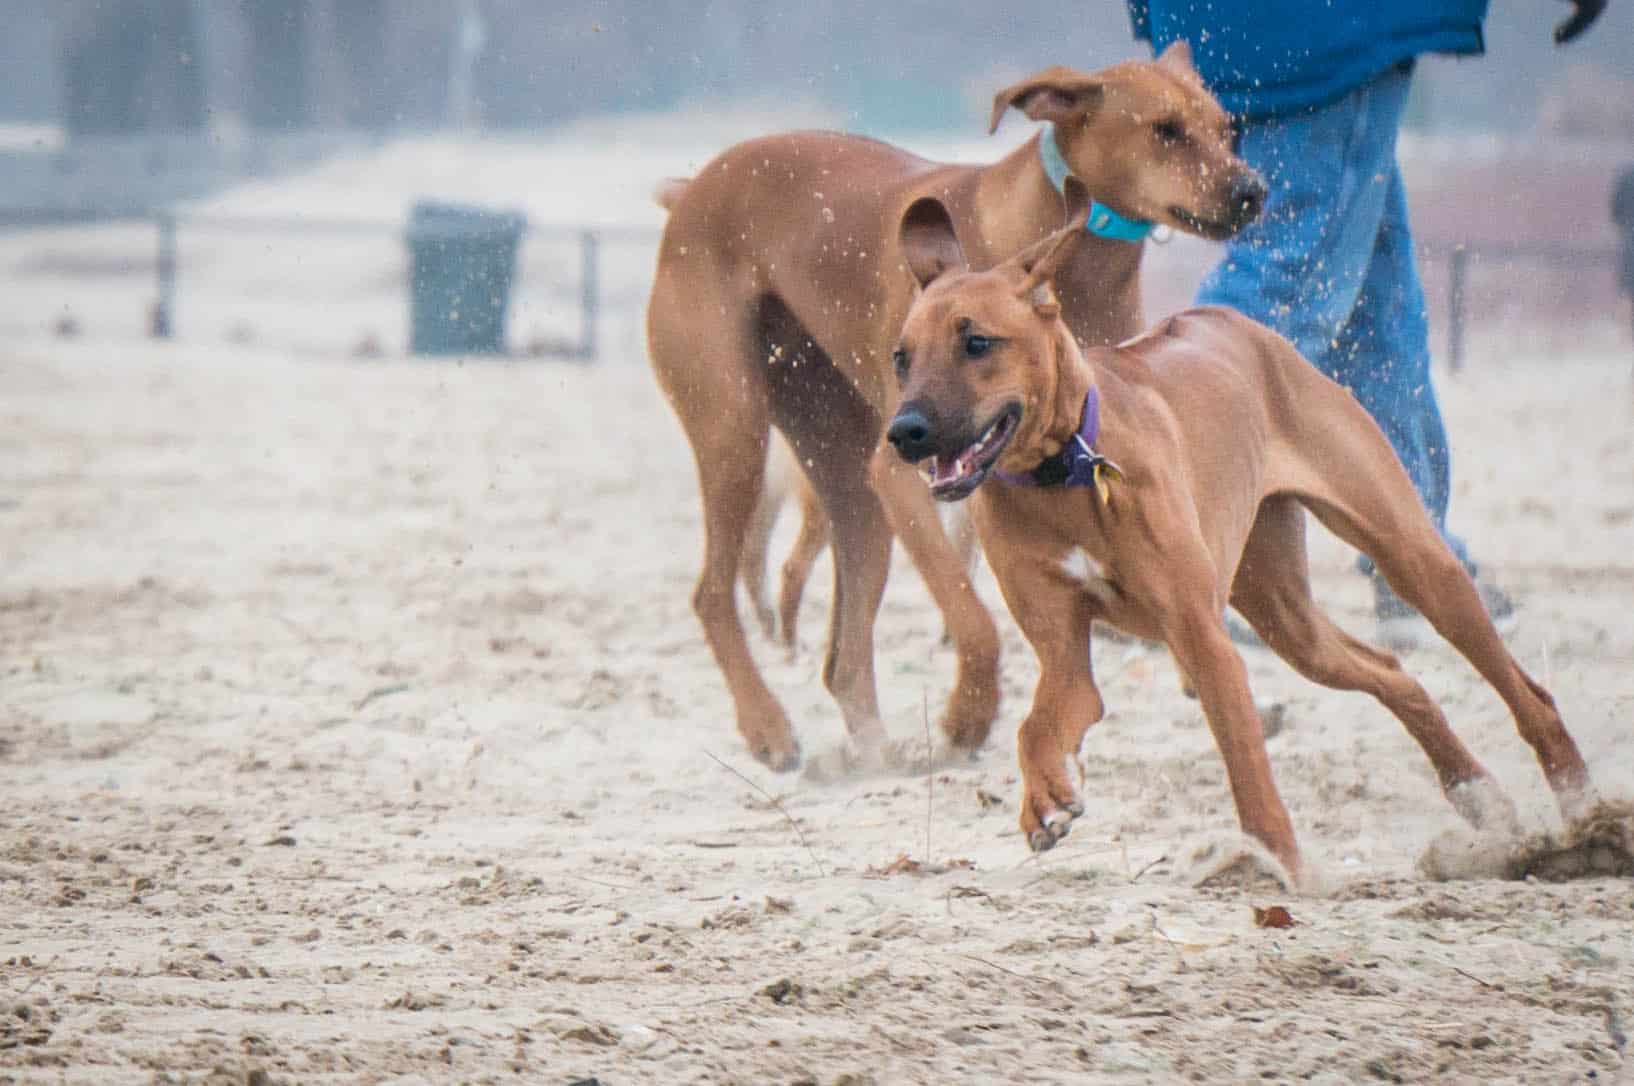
206, 168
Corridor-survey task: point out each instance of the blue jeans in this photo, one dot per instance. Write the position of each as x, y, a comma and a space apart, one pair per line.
1330, 265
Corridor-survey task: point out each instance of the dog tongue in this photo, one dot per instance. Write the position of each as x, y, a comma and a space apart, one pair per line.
950, 469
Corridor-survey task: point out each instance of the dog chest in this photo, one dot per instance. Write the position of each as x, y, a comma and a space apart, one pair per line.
1086, 571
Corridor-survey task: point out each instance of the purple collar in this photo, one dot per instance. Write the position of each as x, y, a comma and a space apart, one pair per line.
1077, 464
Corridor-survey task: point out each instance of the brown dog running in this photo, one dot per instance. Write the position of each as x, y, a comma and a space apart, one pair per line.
784, 483
781, 286
1149, 484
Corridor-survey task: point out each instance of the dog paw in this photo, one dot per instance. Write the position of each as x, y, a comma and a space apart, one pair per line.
781, 755
911, 757
1483, 804
1049, 802
1054, 826
851, 758
883, 757
1239, 862
967, 725
766, 732
767, 619
1047, 814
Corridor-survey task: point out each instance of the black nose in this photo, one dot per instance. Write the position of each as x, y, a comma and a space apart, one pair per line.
911, 432
1247, 198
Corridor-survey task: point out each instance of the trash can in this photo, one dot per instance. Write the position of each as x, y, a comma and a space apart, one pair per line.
461, 263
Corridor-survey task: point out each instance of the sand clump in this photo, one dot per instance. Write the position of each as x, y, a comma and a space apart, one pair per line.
1600, 844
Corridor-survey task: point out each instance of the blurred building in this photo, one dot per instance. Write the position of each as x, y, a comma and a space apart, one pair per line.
269, 65
106, 66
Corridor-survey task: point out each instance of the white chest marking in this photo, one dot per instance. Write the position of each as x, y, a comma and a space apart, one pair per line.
1087, 573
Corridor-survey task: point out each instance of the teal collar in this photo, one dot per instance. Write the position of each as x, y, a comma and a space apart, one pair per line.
1103, 221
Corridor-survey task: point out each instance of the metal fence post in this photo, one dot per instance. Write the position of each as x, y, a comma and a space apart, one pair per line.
164, 308
589, 292
1458, 275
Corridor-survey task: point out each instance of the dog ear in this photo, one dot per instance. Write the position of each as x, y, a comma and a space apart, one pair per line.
929, 244
1043, 259
1177, 57
1044, 301
1056, 94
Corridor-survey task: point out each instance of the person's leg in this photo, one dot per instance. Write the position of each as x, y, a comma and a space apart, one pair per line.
1626, 269
1331, 266
1382, 355
1300, 268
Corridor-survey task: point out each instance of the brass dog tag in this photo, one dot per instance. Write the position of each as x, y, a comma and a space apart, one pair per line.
1102, 487
1105, 473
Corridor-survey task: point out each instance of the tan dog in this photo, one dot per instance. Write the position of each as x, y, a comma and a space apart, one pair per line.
1198, 447
781, 287
785, 482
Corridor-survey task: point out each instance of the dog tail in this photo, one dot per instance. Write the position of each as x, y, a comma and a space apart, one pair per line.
669, 190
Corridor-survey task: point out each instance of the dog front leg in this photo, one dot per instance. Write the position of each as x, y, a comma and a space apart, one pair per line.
1197, 636
974, 701
1055, 614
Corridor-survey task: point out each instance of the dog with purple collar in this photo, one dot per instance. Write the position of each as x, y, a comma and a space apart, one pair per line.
1149, 484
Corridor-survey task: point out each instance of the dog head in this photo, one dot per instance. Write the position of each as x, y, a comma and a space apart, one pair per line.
990, 375
1148, 139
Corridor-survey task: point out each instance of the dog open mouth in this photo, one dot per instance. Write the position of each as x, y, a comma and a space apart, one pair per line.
955, 476
1212, 229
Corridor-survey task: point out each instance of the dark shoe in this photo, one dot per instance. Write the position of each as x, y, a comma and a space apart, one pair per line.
1401, 627
1498, 605
1242, 633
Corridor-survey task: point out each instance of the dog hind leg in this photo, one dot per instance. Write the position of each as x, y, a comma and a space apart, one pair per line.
1272, 591
834, 432
757, 540
808, 546
1361, 492
722, 406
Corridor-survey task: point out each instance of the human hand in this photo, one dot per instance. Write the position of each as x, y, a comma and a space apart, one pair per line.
1584, 12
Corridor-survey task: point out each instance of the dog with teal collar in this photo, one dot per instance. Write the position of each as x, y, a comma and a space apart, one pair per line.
772, 308
1103, 221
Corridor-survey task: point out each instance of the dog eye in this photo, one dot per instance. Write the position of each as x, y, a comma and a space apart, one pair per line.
899, 359
1169, 132
977, 346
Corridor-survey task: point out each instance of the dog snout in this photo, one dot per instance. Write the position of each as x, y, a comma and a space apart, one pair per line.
912, 432
1247, 198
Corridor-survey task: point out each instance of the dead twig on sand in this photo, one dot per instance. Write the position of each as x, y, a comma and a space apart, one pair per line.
377, 693
1472, 976
1148, 867
777, 805
924, 712
991, 965
603, 882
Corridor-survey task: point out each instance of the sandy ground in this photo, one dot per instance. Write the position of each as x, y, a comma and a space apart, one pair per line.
355, 727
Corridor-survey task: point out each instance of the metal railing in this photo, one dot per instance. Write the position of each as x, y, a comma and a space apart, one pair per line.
168, 270
592, 240
1458, 263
